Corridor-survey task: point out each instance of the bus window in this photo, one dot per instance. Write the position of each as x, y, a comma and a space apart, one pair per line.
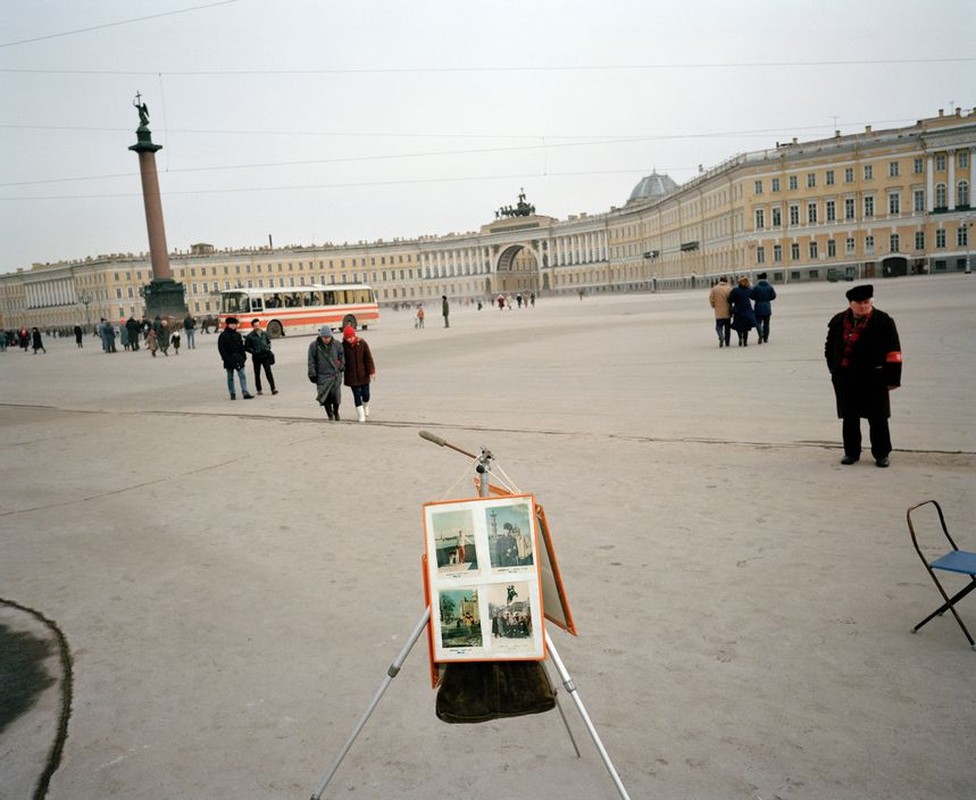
245, 304
315, 298
255, 304
308, 299
231, 303
330, 298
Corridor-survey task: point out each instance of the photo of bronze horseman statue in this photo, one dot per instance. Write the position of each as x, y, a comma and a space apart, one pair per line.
510, 611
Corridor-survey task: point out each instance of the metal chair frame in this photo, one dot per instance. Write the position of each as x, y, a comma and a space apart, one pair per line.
955, 560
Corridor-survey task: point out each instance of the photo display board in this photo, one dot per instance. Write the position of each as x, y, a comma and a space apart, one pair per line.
482, 580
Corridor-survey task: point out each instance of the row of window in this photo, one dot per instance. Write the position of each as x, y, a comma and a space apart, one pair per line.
894, 206
894, 170
850, 248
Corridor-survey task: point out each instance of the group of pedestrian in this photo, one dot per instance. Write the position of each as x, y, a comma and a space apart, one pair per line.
22, 338
505, 301
734, 309
332, 365
233, 354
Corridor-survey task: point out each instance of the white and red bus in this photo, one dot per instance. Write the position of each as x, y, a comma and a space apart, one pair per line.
301, 309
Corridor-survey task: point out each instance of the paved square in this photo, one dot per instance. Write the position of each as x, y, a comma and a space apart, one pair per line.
234, 579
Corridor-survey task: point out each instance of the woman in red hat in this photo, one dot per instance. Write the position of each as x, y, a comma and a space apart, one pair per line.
359, 370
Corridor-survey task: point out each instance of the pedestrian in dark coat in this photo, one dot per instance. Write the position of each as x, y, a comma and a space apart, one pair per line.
78, 335
325, 365
863, 355
762, 295
36, 342
230, 345
743, 317
258, 345
446, 311
359, 369
134, 328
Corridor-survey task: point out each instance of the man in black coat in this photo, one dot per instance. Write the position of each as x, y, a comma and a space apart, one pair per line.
864, 358
230, 345
134, 328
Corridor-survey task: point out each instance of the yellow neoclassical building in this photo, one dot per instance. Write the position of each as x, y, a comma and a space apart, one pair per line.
876, 203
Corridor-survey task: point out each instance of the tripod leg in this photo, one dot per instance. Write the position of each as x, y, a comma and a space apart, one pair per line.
569, 731
391, 673
571, 688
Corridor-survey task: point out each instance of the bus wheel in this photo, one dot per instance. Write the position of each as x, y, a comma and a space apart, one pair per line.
275, 331
349, 319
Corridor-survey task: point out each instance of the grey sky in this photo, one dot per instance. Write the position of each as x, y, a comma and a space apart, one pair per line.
340, 121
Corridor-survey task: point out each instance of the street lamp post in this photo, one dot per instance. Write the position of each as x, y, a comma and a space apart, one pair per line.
85, 298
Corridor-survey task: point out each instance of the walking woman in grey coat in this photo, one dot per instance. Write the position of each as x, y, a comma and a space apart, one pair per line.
325, 366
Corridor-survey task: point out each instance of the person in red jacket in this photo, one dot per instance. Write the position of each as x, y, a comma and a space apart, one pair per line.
359, 370
864, 358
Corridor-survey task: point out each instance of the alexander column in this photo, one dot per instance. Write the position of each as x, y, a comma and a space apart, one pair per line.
164, 296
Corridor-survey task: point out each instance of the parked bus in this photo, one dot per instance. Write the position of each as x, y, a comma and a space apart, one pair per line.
301, 309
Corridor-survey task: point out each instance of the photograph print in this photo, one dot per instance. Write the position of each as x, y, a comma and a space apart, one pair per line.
510, 610
454, 543
460, 619
510, 540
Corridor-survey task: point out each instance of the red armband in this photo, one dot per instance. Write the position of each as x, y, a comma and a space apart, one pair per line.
894, 357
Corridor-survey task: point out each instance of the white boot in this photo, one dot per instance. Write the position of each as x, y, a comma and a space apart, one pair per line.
361, 413
366, 408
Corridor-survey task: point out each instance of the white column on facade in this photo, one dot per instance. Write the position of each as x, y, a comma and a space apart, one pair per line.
929, 183
951, 188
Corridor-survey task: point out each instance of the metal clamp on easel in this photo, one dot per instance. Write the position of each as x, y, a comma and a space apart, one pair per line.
460, 636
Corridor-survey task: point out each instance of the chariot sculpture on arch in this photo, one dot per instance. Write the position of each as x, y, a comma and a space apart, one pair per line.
522, 209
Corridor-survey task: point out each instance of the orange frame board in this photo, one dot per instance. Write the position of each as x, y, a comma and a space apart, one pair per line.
482, 580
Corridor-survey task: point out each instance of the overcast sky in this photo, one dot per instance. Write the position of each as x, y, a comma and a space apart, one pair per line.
341, 121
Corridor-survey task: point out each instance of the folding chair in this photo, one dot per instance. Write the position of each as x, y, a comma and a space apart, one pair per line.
955, 560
